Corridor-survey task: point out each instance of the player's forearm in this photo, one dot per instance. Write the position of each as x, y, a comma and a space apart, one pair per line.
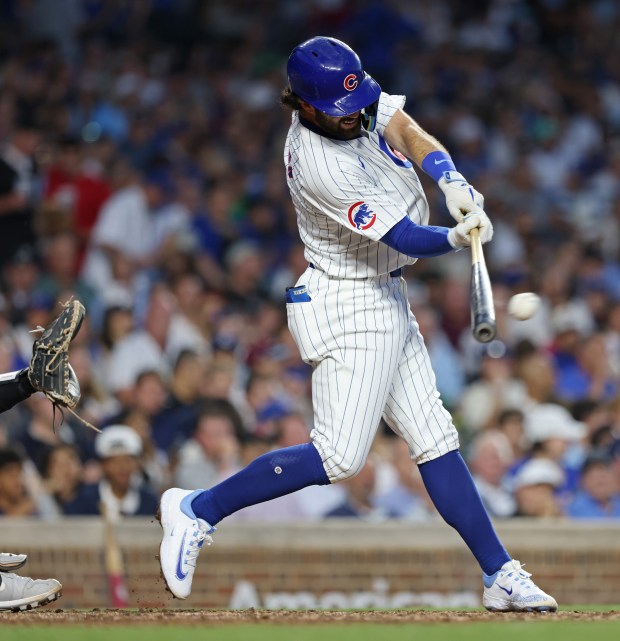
417, 241
404, 134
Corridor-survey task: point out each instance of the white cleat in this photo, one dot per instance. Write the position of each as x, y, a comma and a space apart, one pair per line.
22, 593
183, 536
10, 562
511, 589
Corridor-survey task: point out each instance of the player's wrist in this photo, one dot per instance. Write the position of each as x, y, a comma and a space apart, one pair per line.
436, 164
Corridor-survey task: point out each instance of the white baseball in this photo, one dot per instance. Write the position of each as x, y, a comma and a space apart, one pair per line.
523, 306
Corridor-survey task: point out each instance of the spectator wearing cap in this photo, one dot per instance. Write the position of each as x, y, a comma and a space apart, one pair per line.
552, 431
121, 489
597, 496
535, 488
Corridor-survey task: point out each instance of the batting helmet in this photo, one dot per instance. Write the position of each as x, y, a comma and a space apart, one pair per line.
328, 74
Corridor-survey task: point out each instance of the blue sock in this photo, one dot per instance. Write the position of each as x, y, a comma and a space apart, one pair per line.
452, 489
271, 475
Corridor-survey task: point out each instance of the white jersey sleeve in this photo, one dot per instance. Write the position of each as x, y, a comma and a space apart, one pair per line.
388, 106
352, 197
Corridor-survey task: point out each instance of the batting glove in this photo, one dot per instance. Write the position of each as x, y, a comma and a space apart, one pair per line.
461, 197
459, 236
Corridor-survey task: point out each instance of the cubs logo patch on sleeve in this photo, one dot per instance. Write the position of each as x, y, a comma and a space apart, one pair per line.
361, 216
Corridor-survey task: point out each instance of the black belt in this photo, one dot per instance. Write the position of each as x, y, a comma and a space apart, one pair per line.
396, 273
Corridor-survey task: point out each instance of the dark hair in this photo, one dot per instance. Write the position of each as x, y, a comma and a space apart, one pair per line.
106, 331
509, 414
289, 99
184, 356
10, 456
46, 460
219, 407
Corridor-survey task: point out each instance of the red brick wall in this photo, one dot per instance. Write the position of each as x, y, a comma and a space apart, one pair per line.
393, 564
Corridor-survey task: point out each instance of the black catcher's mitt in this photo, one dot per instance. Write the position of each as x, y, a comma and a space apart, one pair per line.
49, 370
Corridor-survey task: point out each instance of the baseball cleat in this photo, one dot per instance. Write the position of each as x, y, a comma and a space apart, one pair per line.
23, 593
511, 589
183, 536
10, 562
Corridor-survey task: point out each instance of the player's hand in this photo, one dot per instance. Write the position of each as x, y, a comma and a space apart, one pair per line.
461, 197
459, 236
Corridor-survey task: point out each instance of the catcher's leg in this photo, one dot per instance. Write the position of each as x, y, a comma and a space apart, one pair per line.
23, 593
14, 388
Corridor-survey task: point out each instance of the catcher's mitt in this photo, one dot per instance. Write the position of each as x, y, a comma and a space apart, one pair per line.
49, 370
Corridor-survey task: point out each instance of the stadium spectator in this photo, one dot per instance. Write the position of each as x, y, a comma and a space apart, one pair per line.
18, 186
62, 475
111, 132
14, 499
489, 458
360, 497
535, 486
213, 452
122, 489
597, 496
408, 498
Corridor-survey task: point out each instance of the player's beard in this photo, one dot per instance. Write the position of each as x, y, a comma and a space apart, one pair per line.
346, 127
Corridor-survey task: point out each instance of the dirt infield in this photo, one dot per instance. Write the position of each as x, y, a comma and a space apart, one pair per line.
149, 616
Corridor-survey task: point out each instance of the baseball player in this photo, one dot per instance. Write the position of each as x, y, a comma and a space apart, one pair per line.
49, 372
362, 216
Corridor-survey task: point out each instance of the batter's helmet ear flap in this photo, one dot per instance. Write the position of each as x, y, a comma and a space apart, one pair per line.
328, 74
369, 116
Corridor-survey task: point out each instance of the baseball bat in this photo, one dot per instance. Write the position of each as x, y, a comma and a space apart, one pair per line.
115, 569
482, 308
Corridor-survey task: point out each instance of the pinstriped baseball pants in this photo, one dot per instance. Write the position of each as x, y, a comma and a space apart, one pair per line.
369, 361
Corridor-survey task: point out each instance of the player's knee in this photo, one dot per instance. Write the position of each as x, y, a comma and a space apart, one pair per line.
345, 470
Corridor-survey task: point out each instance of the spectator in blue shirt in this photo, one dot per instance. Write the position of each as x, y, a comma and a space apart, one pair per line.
597, 497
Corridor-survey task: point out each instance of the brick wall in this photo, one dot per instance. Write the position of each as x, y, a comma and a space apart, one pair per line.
334, 563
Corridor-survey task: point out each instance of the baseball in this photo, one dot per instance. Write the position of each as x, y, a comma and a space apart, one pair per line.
523, 306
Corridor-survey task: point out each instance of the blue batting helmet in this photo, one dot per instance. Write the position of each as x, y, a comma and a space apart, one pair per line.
328, 74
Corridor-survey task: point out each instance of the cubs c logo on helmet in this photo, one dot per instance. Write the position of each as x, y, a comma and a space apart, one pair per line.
350, 82
360, 216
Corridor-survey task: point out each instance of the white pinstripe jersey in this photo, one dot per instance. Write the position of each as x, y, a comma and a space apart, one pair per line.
349, 193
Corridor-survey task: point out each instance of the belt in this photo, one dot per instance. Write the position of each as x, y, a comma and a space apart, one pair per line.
396, 273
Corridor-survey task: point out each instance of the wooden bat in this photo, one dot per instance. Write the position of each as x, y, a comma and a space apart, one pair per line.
115, 569
482, 309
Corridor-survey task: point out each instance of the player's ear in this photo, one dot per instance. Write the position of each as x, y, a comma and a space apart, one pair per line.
306, 108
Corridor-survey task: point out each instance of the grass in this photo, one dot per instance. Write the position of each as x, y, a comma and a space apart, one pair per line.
543, 628
543, 631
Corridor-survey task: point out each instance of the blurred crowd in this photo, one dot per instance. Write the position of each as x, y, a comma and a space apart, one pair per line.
141, 171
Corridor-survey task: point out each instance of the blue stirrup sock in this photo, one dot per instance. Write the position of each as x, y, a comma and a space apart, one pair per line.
452, 490
269, 476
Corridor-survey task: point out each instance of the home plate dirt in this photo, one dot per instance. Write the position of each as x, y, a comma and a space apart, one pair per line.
153, 616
